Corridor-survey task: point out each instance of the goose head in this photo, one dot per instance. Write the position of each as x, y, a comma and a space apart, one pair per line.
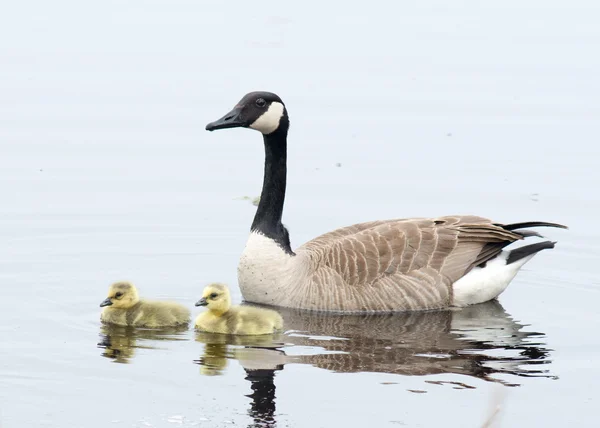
262, 111
216, 298
121, 295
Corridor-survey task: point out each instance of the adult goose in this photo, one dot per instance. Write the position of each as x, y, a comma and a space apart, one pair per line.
379, 266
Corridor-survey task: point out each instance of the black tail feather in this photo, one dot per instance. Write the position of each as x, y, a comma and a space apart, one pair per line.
527, 250
526, 224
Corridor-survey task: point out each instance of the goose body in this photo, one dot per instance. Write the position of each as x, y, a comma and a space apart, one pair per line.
124, 307
380, 266
223, 318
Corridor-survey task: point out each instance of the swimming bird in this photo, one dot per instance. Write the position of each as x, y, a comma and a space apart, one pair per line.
223, 318
378, 266
124, 307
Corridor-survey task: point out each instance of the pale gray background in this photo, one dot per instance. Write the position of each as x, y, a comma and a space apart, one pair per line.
431, 107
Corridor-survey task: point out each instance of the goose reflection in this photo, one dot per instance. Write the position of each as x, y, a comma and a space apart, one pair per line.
260, 356
120, 343
479, 341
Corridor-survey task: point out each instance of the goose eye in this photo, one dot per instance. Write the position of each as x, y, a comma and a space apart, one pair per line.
261, 102
213, 295
119, 295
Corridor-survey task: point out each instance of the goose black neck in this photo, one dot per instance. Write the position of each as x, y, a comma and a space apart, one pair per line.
270, 208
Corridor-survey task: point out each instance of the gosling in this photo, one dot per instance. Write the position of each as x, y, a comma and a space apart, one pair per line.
223, 318
124, 307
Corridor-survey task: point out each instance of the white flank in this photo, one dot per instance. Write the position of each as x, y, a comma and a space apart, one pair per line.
487, 283
266, 272
268, 122
487, 323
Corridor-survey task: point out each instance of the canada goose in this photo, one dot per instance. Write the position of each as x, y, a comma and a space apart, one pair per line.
379, 266
124, 307
223, 318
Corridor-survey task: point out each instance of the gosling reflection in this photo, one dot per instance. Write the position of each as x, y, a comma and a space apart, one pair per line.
120, 343
252, 352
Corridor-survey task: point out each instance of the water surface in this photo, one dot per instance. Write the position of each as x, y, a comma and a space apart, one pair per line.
403, 110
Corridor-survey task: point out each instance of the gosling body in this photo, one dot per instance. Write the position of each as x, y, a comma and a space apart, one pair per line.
223, 318
124, 307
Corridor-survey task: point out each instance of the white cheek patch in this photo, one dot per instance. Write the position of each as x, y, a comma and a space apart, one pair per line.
268, 122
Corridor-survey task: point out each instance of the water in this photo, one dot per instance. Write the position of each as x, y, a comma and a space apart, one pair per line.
429, 109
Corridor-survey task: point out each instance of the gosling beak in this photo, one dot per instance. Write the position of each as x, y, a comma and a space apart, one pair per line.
106, 302
233, 119
202, 302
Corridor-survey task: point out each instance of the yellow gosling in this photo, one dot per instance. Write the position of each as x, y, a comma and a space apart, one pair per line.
124, 307
223, 318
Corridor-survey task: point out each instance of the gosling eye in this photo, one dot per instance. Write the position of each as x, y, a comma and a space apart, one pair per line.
119, 295
213, 296
260, 102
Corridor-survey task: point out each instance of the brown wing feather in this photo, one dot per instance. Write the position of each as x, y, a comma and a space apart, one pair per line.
408, 263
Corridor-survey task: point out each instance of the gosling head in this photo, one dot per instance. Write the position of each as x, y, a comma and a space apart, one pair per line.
121, 295
216, 298
262, 111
